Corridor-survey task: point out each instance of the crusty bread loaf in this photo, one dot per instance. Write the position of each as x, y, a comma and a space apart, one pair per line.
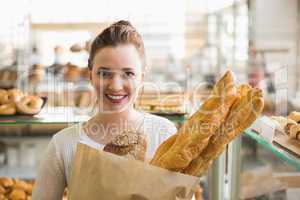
194, 135
242, 114
164, 147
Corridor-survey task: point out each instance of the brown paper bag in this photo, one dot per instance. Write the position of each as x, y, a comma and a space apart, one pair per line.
102, 175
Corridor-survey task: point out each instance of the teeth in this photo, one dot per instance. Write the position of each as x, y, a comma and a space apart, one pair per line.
116, 97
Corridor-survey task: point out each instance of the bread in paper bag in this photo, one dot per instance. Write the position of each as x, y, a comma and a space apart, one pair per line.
102, 175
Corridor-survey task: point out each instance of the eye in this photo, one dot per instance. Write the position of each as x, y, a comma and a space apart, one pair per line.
104, 73
129, 74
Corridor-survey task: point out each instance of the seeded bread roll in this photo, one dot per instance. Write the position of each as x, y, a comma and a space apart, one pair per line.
129, 144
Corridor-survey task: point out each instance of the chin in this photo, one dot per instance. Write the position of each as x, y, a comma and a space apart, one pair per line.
118, 108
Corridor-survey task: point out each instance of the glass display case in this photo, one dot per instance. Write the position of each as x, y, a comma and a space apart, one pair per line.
231, 31
278, 153
23, 139
26, 137
265, 163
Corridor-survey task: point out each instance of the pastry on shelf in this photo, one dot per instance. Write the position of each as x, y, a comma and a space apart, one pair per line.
85, 73
162, 103
14, 101
17, 189
282, 122
293, 131
17, 194
20, 184
6, 182
71, 73
29, 105
83, 99
8, 78
36, 74
76, 47
15, 95
8, 109
2, 190
289, 125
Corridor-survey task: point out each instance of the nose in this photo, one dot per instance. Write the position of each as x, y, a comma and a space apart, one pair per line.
115, 83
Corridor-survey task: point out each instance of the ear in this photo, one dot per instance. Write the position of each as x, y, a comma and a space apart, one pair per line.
144, 70
143, 76
90, 74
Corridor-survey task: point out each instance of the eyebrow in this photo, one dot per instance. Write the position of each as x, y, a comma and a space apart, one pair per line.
103, 68
128, 69
123, 69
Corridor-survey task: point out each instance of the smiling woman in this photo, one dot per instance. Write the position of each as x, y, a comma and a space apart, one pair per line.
116, 67
117, 76
117, 64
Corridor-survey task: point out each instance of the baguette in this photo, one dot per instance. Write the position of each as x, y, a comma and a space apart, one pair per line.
242, 114
243, 90
164, 147
295, 116
194, 135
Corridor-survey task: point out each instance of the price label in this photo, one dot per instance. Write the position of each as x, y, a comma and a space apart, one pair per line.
265, 127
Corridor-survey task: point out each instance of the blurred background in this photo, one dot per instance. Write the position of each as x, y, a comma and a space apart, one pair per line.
44, 48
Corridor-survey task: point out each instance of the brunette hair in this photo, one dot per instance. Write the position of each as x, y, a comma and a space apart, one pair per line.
121, 32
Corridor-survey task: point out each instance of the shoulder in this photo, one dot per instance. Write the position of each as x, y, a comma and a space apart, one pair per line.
67, 137
68, 133
158, 129
64, 145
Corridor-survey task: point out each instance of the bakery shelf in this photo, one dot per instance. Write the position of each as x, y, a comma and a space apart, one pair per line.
62, 115
50, 115
286, 156
172, 116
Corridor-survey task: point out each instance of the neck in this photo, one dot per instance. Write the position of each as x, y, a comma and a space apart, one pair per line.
105, 118
112, 124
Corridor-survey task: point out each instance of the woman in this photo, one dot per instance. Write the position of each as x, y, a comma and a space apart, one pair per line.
117, 67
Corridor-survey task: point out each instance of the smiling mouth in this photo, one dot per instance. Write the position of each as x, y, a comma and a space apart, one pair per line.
116, 98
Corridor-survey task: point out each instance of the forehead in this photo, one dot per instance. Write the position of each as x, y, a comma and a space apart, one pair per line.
121, 56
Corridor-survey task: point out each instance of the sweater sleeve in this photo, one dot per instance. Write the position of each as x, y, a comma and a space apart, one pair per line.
166, 129
51, 181
158, 130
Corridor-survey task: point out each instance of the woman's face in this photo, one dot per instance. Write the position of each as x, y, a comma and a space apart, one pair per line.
117, 76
